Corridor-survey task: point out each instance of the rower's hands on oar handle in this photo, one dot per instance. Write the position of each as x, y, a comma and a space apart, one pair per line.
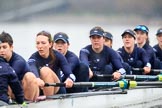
40, 82
147, 70
116, 75
69, 83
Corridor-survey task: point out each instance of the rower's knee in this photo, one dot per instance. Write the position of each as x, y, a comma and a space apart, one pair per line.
45, 71
28, 77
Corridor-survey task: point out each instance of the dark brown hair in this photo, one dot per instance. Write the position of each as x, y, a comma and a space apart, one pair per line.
51, 54
5, 37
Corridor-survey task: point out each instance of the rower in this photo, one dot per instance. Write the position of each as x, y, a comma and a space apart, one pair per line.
79, 69
109, 42
158, 48
132, 55
142, 36
8, 77
46, 62
108, 39
99, 58
18, 63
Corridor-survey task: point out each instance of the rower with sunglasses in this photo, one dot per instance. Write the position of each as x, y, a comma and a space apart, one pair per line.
132, 55
142, 32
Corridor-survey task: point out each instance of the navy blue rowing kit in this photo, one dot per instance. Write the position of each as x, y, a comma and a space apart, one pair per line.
72, 59
19, 64
8, 77
36, 62
105, 62
79, 69
137, 59
151, 55
158, 52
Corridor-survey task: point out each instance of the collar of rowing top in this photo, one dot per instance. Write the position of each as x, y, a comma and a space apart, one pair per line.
2, 59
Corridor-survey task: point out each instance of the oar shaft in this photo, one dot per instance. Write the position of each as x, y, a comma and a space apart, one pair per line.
86, 84
133, 77
95, 84
149, 84
55, 84
155, 71
122, 84
142, 77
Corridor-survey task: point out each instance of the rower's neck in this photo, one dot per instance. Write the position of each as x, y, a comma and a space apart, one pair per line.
160, 47
141, 44
129, 49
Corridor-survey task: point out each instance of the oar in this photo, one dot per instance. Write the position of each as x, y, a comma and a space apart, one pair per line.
149, 84
155, 71
123, 84
135, 77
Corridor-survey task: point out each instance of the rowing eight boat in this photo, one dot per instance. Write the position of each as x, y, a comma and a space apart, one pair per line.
140, 97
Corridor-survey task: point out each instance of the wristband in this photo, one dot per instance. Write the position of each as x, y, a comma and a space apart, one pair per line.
122, 71
72, 77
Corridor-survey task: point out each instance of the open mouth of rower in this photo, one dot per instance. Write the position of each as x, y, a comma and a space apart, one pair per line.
59, 49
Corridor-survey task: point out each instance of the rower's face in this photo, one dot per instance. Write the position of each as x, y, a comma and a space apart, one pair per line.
141, 36
6, 50
97, 41
43, 45
61, 46
159, 38
128, 40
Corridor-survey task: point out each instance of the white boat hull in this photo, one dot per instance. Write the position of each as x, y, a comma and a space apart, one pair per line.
135, 98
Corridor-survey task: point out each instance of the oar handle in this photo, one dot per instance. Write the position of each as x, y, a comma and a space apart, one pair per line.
137, 69
55, 84
104, 75
155, 71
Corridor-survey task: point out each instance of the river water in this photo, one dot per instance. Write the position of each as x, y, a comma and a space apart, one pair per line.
24, 34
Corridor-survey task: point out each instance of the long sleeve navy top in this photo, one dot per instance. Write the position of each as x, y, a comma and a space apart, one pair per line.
158, 52
72, 59
8, 77
97, 61
36, 62
137, 54
19, 64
